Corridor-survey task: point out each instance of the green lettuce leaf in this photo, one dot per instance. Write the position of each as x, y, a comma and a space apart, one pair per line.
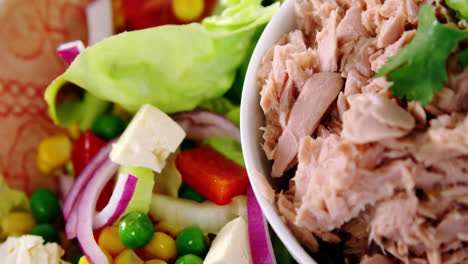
220, 105
463, 58
231, 149
173, 67
11, 199
460, 7
234, 115
418, 69
141, 198
82, 112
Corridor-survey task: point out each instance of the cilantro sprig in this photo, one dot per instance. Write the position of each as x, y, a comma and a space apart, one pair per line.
419, 69
463, 58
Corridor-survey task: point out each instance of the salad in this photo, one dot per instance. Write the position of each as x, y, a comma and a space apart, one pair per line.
365, 107
150, 168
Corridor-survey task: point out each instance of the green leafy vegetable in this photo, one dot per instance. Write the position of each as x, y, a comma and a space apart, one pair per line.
463, 58
12, 199
235, 93
173, 67
418, 69
231, 149
81, 112
141, 198
217, 105
460, 7
234, 115
282, 254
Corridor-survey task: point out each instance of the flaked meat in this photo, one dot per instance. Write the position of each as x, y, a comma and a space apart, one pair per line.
313, 101
350, 27
355, 56
371, 18
354, 83
376, 259
327, 45
284, 71
373, 117
379, 58
391, 30
385, 178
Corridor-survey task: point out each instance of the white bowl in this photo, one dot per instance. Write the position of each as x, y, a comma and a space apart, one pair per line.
252, 118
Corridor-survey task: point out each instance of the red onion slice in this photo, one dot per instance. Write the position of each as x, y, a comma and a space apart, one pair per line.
259, 237
86, 211
70, 225
200, 124
69, 50
121, 196
99, 20
84, 178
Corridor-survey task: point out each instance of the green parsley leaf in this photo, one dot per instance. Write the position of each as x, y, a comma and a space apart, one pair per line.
418, 69
463, 58
459, 6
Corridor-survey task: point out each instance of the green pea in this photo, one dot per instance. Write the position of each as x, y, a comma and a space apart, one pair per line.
191, 241
189, 259
188, 192
108, 127
48, 232
135, 230
45, 206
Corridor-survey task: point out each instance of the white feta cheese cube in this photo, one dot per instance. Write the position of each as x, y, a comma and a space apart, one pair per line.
148, 140
231, 245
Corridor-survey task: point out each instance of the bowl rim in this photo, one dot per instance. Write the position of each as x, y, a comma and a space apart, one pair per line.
251, 116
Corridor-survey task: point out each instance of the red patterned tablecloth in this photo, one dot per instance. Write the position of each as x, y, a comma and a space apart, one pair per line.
30, 32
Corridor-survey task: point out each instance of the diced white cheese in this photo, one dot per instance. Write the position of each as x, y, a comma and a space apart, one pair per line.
231, 245
148, 140
29, 249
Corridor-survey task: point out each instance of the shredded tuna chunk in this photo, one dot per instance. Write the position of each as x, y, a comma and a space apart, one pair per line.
315, 98
373, 117
384, 178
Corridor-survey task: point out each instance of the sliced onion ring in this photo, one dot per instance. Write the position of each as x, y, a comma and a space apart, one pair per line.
84, 178
70, 225
200, 124
99, 20
86, 210
121, 196
259, 237
69, 50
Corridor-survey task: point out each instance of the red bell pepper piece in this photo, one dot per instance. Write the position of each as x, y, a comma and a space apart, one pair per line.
83, 150
212, 174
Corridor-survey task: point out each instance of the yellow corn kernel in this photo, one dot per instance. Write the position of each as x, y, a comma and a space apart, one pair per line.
128, 256
74, 131
155, 261
84, 260
17, 224
53, 152
162, 246
110, 241
168, 228
188, 10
